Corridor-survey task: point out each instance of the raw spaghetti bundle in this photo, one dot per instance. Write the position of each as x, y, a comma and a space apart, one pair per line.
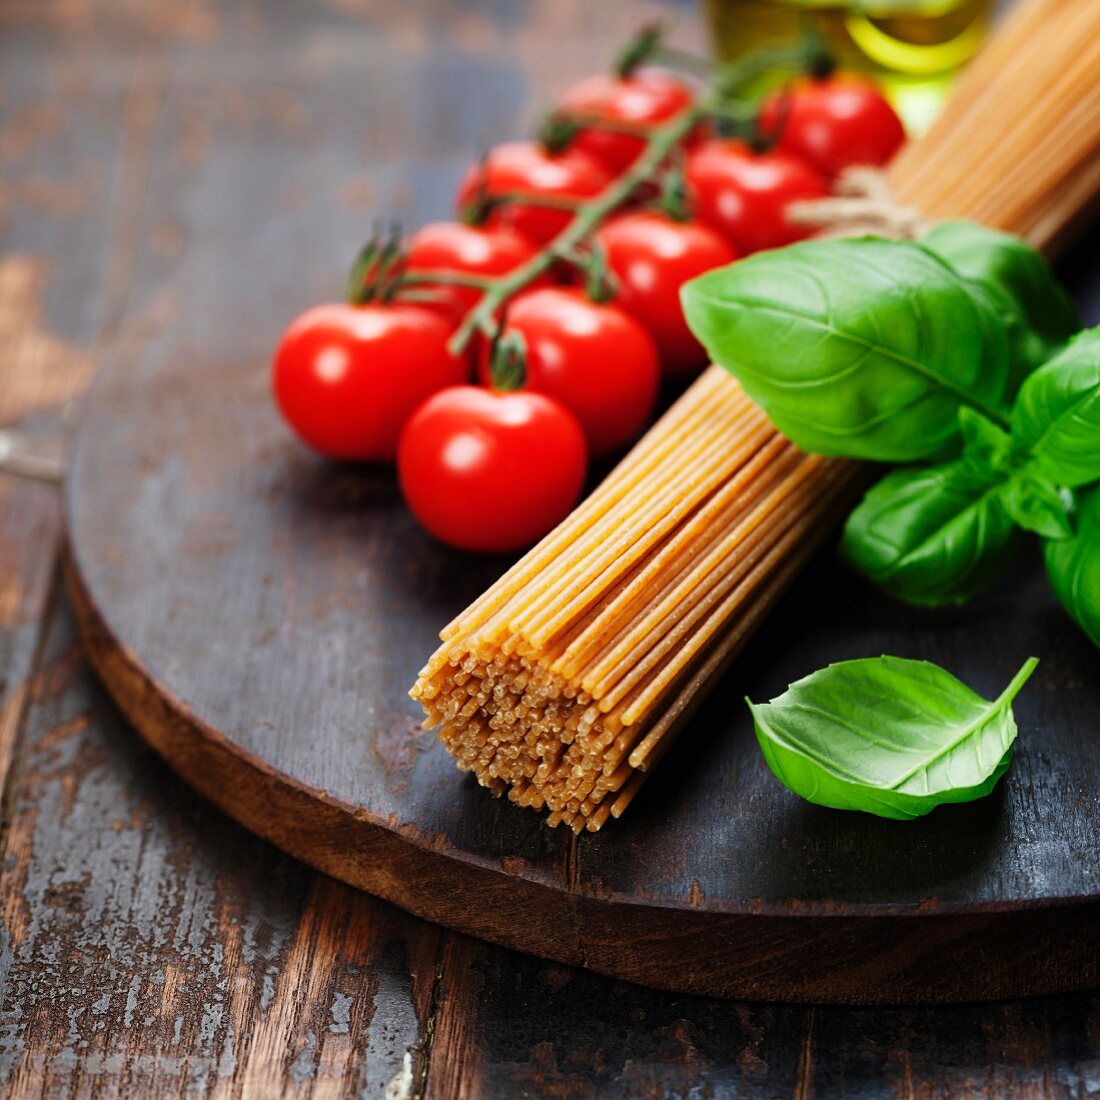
1018, 145
571, 676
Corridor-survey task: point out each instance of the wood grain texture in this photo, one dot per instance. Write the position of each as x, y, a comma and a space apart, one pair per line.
122, 878
154, 947
30, 521
259, 615
521, 1027
198, 961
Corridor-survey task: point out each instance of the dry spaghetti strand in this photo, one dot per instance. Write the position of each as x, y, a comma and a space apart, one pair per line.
1018, 145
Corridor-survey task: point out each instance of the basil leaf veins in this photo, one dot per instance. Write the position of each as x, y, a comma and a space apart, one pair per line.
1057, 414
889, 736
865, 348
932, 535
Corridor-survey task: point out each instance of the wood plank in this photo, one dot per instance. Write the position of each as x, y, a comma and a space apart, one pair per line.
63, 123
516, 1026
194, 958
166, 986
494, 1024
30, 521
199, 960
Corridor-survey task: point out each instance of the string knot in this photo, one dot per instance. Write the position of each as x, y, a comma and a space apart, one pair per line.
862, 203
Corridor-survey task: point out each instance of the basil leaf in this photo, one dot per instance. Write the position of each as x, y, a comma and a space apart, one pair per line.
889, 736
1037, 504
865, 348
1057, 415
1028, 494
1039, 312
932, 535
986, 446
1073, 567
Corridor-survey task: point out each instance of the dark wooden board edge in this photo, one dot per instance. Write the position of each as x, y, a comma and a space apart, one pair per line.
889, 959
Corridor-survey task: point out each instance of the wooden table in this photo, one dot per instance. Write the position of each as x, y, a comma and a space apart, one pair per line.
150, 945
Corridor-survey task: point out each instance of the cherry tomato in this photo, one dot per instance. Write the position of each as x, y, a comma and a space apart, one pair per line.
646, 97
488, 470
594, 358
835, 122
743, 194
526, 168
465, 250
348, 377
652, 256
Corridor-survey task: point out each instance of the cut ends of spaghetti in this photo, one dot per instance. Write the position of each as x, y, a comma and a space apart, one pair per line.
567, 680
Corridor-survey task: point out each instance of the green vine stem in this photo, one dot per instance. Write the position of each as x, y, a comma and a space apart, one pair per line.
724, 84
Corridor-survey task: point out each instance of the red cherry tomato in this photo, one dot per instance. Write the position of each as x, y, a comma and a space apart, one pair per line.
465, 250
743, 194
652, 256
348, 377
491, 471
646, 97
526, 168
834, 123
593, 358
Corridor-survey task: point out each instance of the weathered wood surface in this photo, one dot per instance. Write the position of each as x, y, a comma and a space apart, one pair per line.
149, 945
259, 614
156, 948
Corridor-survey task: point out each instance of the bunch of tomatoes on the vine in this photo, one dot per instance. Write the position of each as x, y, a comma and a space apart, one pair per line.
492, 356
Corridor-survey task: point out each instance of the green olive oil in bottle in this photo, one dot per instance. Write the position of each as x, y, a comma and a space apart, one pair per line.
914, 47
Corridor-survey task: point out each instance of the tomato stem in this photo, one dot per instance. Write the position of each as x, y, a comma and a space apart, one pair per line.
673, 199
557, 131
358, 290
378, 263
508, 362
762, 141
725, 82
643, 47
818, 62
600, 284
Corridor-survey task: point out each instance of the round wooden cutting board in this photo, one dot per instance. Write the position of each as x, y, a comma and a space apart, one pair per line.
259, 616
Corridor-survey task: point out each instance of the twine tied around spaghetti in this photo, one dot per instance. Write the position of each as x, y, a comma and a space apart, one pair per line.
861, 203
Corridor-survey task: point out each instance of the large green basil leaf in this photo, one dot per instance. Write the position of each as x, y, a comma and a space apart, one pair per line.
889, 736
865, 347
1073, 567
932, 535
1040, 314
1057, 415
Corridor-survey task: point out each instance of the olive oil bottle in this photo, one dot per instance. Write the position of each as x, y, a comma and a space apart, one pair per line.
913, 46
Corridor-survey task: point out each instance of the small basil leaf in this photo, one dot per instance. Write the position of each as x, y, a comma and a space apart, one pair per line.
1057, 415
1073, 567
865, 348
1039, 312
889, 736
932, 535
986, 446
1037, 504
